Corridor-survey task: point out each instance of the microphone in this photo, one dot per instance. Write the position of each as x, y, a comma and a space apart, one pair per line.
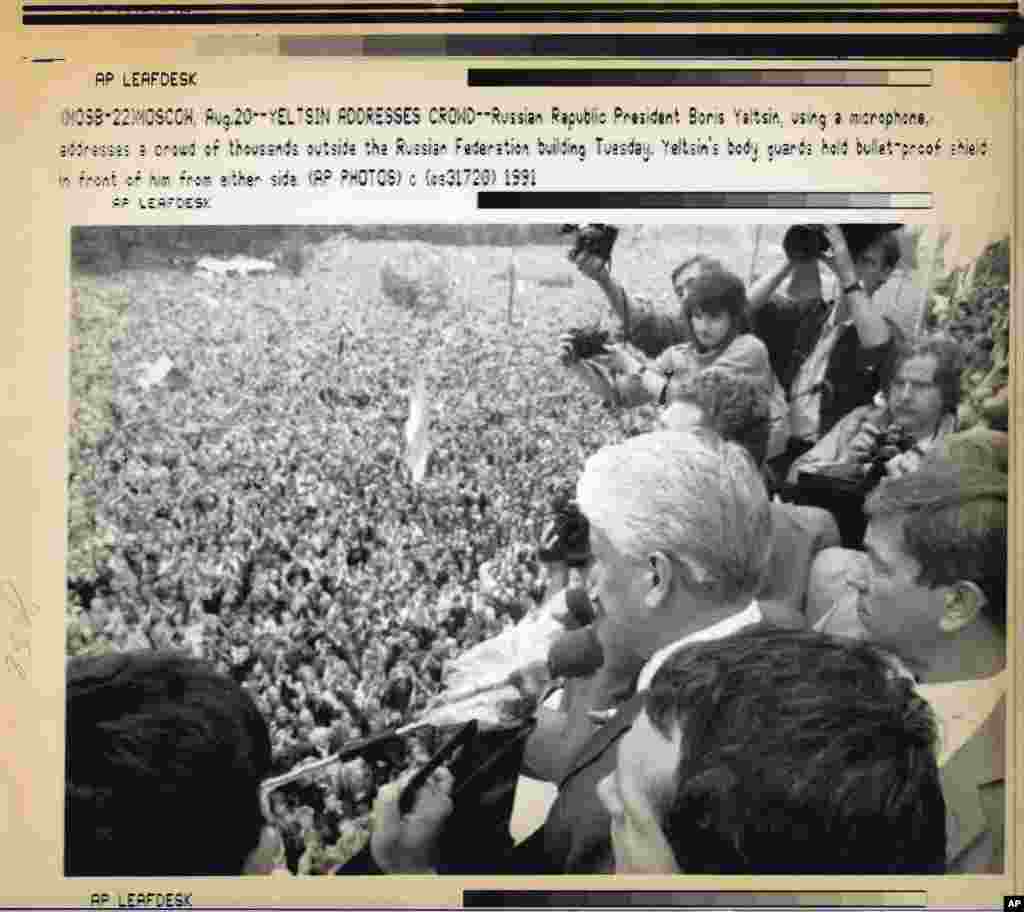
579, 606
576, 654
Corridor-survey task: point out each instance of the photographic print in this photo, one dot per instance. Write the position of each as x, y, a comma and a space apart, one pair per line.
541, 549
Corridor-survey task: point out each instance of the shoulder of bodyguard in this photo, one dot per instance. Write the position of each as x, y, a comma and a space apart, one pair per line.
974, 790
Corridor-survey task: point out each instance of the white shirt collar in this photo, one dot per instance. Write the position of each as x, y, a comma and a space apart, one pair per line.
732, 624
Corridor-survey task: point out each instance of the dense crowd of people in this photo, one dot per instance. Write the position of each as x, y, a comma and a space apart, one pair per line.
262, 515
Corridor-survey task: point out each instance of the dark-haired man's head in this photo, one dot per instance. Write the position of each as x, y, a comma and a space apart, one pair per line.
875, 253
937, 546
163, 767
778, 753
876, 261
925, 383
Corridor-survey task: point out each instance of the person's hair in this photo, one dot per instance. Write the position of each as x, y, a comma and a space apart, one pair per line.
949, 365
652, 329
714, 292
691, 495
888, 245
705, 263
799, 754
955, 521
164, 759
734, 407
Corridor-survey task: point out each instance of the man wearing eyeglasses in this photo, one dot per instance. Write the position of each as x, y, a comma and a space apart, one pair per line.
922, 401
889, 439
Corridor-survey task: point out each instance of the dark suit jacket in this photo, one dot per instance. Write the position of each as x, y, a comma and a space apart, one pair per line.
559, 737
973, 784
576, 837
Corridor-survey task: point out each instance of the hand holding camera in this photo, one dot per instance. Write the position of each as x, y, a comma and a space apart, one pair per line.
802, 243
592, 247
903, 464
876, 447
837, 255
580, 344
894, 442
865, 442
807, 243
838, 246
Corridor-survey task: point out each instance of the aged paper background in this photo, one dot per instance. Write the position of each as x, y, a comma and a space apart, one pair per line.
978, 97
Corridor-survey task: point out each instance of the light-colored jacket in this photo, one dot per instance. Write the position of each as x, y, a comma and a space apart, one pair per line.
834, 447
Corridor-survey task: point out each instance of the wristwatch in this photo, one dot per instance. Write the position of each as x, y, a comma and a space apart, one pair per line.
853, 286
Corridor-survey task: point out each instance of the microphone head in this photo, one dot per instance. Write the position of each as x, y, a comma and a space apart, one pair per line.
576, 654
581, 609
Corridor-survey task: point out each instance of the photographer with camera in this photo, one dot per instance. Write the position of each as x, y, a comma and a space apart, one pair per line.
646, 331
872, 442
645, 328
920, 412
713, 305
829, 356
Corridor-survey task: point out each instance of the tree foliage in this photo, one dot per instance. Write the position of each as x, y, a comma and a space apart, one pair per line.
416, 278
973, 306
96, 326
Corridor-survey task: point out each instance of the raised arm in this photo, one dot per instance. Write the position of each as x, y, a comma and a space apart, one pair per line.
872, 328
761, 291
595, 268
618, 377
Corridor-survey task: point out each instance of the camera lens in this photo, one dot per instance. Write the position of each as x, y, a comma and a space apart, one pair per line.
804, 242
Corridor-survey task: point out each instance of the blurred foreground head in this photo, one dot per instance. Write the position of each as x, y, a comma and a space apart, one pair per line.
163, 766
778, 752
734, 407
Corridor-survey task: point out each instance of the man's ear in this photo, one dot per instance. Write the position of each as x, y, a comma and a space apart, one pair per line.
964, 602
660, 576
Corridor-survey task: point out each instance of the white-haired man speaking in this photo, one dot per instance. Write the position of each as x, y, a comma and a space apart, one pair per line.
680, 532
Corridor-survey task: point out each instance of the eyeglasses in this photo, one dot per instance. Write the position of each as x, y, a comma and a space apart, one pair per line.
916, 386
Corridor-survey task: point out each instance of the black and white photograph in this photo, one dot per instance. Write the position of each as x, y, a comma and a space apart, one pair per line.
539, 549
